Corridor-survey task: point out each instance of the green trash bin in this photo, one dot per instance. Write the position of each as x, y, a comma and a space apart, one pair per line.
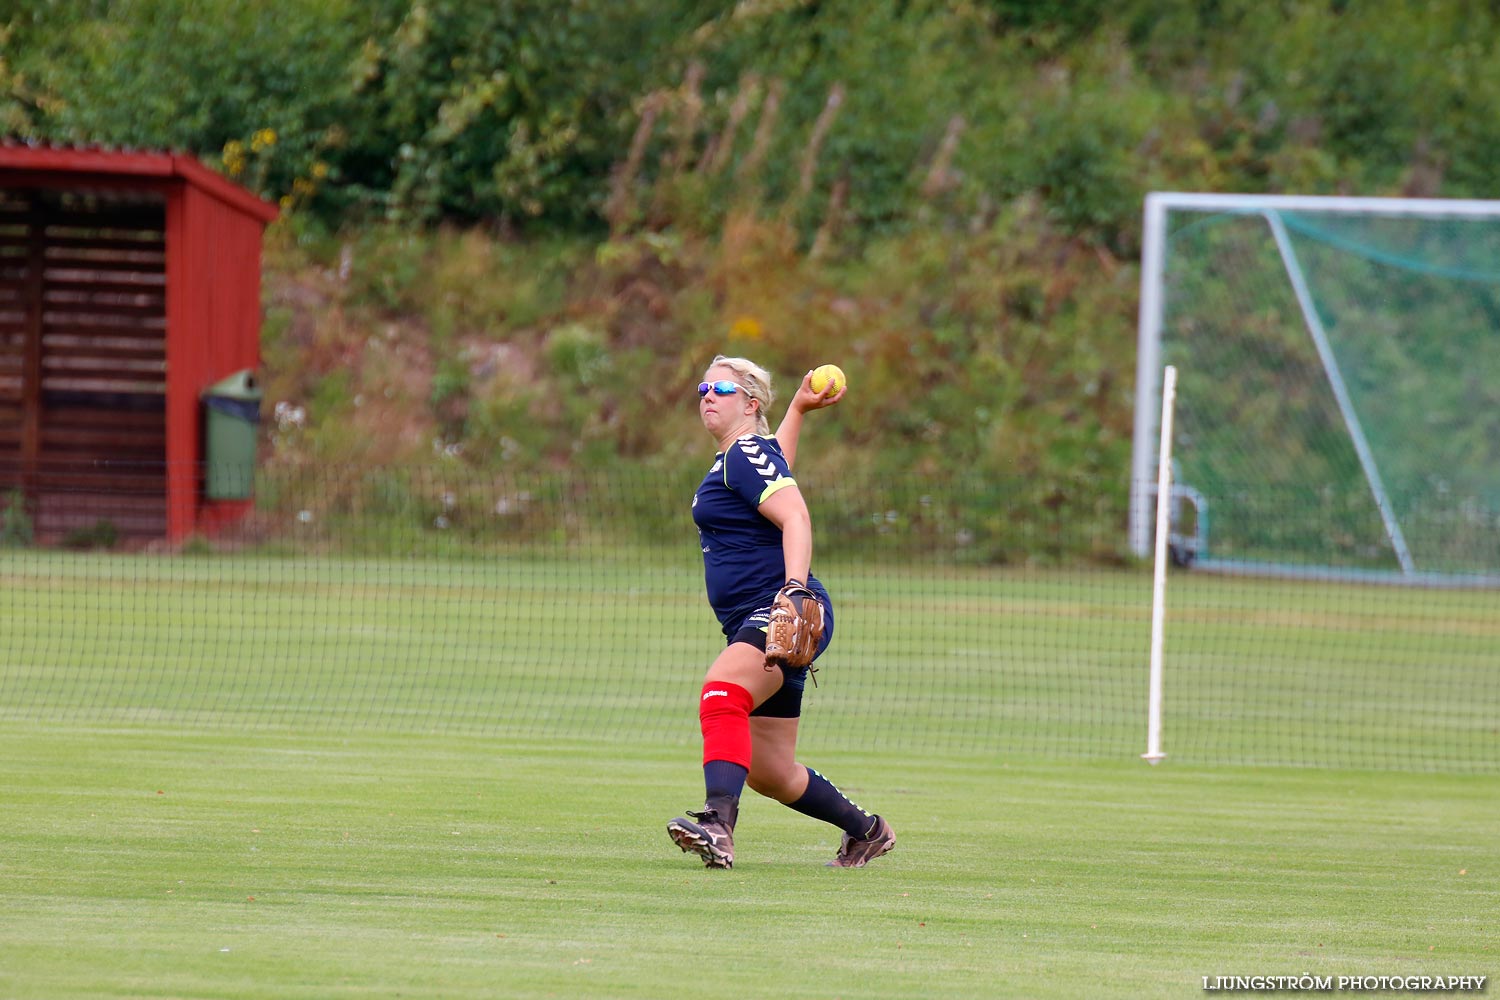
231, 420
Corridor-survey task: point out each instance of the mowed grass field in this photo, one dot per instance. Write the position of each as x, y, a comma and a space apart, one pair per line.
319, 778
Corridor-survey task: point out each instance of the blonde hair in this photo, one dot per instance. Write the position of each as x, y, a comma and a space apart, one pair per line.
757, 382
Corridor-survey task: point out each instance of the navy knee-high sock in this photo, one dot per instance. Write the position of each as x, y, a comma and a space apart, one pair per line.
825, 802
723, 779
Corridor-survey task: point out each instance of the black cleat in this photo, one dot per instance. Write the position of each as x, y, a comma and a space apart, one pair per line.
858, 853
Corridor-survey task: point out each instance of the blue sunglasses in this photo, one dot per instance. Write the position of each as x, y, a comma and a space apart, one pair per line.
721, 388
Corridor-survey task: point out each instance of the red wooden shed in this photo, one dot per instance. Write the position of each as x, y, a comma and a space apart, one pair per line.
129, 283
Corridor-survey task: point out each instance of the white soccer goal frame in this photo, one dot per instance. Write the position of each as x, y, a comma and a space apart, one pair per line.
1152, 307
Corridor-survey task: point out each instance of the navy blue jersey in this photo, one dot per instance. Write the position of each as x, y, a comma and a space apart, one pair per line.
742, 557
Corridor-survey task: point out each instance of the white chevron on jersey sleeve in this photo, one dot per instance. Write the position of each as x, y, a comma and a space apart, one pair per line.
759, 460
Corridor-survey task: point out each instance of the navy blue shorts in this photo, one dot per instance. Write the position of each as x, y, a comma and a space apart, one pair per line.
786, 703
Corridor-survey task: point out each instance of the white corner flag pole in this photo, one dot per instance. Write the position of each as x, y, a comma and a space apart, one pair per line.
1153, 754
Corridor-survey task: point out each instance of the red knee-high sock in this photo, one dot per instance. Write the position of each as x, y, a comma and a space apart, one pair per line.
724, 714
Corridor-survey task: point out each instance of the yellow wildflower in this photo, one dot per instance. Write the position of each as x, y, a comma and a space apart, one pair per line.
234, 157
746, 328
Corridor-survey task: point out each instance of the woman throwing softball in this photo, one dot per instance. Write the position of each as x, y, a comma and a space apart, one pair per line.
756, 537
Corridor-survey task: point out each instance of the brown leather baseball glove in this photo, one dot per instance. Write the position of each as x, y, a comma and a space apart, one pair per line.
796, 627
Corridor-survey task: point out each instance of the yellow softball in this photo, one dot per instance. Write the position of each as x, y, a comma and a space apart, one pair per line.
825, 375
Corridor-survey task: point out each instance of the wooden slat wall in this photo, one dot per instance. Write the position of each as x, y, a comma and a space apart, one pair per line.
15, 243
83, 310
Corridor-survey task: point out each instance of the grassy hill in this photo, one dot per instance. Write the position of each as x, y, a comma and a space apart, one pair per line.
1004, 354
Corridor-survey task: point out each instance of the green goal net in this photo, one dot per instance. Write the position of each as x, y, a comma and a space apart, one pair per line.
1338, 406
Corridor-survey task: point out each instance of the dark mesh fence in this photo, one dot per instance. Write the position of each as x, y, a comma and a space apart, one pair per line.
972, 620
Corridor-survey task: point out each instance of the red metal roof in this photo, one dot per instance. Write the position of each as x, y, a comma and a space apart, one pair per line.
98, 161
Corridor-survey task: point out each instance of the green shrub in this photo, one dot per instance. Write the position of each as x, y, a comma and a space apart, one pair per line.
519, 112
578, 355
100, 535
16, 528
266, 107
